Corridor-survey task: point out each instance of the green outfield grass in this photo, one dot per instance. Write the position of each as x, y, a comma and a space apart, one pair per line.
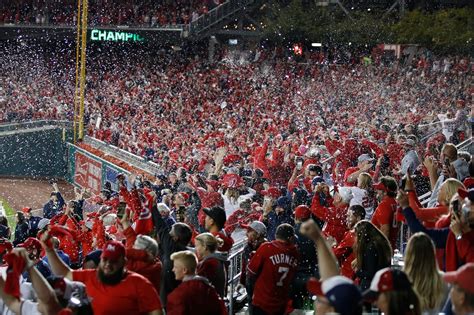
10, 214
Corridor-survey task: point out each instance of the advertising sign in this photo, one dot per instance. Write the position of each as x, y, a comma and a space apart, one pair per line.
88, 173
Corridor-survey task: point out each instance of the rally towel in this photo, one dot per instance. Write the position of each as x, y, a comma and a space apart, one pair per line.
16, 265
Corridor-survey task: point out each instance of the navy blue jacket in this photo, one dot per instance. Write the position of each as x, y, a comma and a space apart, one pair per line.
308, 256
50, 209
43, 268
33, 229
273, 220
439, 236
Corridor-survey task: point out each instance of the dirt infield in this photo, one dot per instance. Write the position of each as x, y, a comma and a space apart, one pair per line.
24, 192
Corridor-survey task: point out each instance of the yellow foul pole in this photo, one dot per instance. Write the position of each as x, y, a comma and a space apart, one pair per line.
78, 65
82, 85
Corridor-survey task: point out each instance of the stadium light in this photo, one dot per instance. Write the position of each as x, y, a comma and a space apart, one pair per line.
316, 45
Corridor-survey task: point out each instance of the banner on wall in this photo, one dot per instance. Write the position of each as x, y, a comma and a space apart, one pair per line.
88, 173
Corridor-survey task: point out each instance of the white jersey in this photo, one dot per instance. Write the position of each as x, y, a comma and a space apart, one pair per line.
361, 198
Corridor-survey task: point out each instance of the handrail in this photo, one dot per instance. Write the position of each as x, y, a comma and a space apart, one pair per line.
464, 144
135, 160
235, 270
168, 27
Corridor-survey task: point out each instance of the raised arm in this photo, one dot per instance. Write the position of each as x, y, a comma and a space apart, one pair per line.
10, 301
58, 267
43, 290
439, 236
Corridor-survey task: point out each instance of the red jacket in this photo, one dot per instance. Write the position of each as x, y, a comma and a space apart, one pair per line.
213, 268
195, 296
68, 245
335, 218
140, 262
459, 252
345, 254
429, 216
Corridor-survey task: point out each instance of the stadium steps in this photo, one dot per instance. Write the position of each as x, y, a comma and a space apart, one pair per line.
211, 22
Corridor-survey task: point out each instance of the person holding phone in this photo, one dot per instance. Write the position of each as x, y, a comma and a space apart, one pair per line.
455, 236
429, 216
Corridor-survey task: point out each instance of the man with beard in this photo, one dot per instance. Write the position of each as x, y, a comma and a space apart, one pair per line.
112, 288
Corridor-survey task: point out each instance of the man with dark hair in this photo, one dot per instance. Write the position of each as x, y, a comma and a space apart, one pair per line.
214, 223
271, 271
344, 249
452, 167
112, 288
172, 239
55, 203
384, 216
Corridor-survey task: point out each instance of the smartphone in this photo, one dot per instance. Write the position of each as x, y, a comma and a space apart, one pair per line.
299, 163
121, 209
456, 208
447, 163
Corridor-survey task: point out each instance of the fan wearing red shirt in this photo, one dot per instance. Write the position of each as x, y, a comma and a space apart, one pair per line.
195, 295
271, 271
335, 213
384, 216
112, 288
364, 164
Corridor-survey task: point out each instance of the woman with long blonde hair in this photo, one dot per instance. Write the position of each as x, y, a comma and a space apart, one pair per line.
429, 216
423, 271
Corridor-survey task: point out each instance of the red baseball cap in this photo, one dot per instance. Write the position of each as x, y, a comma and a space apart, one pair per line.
386, 186
273, 192
386, 280
214, 184
113, 250
463, 277
231, 158
26, 209
302, 212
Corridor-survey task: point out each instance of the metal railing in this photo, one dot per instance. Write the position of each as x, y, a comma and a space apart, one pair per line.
34, 124
217, 15
235, 270
138, 27
135, 160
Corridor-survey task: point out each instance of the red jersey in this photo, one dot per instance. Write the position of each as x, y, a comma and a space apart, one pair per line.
386, 214
345, 254
195, 296
133, 295
275, 265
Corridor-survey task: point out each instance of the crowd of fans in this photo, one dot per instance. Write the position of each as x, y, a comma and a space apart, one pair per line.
318, 164
104, 12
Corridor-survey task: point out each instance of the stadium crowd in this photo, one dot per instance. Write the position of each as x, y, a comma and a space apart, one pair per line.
318, 164
104, 12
